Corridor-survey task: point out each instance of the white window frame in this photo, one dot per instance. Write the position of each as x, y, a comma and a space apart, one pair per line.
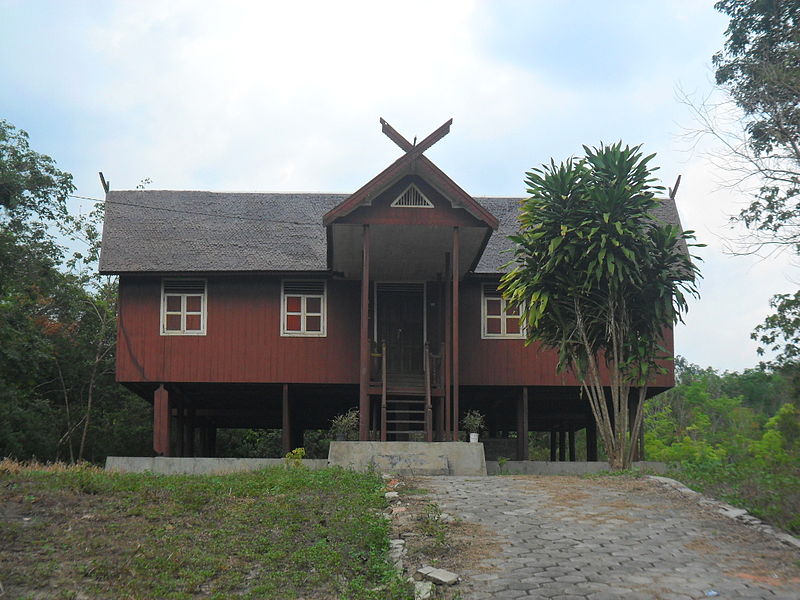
503, 335
323, 332
183, 312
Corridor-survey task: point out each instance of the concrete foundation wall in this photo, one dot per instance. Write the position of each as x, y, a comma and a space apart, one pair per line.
197, 466
536, 467
410, 458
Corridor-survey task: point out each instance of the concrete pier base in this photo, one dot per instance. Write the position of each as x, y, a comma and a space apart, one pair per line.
410, 458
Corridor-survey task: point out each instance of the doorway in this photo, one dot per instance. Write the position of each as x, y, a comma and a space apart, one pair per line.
400, 309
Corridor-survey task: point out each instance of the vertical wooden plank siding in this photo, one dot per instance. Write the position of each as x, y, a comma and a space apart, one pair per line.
363, 396
456, 322
243, 341
522, 425
161, 418
509, 362
286, 423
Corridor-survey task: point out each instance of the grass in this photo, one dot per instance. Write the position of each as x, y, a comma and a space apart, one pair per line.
771, 494
277, 533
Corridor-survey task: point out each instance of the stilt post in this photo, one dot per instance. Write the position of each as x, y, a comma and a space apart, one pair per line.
286, 421
522, 425
162, 414
363, 398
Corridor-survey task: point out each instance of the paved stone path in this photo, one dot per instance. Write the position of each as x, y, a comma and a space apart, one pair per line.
611, 538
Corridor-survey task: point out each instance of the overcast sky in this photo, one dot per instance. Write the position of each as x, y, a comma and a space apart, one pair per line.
286, 96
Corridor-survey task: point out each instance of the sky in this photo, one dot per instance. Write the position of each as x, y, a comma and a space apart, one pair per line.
286, 96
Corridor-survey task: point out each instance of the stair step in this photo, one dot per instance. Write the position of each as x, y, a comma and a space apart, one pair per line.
405, 421
406, 411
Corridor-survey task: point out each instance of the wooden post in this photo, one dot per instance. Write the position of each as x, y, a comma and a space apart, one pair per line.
571, 432
384, 400
553, 445
448, 341
286, 421
522, 425
212, 441
203, 438
189, 430
456, 327
161, 421
591, 441
363, 398
180, 438
562, 443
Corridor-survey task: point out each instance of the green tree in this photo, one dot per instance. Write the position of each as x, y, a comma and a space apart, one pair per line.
759, 67
598, 279
58, 396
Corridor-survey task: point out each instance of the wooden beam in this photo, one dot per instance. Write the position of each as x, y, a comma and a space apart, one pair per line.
363, 398
180, 447
212, 441
522, 425
415, 149
553, 445
393, 135
562, 444
572, 454
188, 431
431, 139
161, 422
456, 248
286, 421
448, 341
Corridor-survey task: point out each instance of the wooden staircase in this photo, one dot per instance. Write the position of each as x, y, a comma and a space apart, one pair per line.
406, 412
405, 417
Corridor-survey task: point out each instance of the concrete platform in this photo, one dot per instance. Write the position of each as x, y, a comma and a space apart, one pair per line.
537, 467
410, 458
197, 466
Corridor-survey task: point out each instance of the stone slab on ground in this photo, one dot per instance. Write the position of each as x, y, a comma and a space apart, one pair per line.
410, 458
611, 538
438, 576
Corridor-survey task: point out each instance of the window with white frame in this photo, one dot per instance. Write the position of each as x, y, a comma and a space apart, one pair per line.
500, 318
183, 307
303, 308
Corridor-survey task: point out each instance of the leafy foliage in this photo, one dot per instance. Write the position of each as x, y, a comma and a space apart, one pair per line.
57, 323
598, 278
735, 435
760, 68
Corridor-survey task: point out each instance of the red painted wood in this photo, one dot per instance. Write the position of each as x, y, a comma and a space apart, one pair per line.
509, 361
161, 417
243, 341
456, 298
380, 212
286, 422
363, 395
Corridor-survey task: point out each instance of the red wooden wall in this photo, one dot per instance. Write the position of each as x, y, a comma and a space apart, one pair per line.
242, 341
509, 361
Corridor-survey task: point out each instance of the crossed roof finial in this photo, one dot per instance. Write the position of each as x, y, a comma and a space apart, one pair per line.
415, 149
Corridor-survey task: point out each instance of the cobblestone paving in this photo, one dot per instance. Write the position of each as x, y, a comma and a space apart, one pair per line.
611, 538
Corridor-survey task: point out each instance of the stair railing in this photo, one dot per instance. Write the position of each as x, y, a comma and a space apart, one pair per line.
383, 391
428, 410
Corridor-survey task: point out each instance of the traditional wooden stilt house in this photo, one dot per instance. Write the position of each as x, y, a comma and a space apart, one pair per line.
283, 310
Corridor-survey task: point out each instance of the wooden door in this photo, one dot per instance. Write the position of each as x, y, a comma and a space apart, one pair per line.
401, 325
